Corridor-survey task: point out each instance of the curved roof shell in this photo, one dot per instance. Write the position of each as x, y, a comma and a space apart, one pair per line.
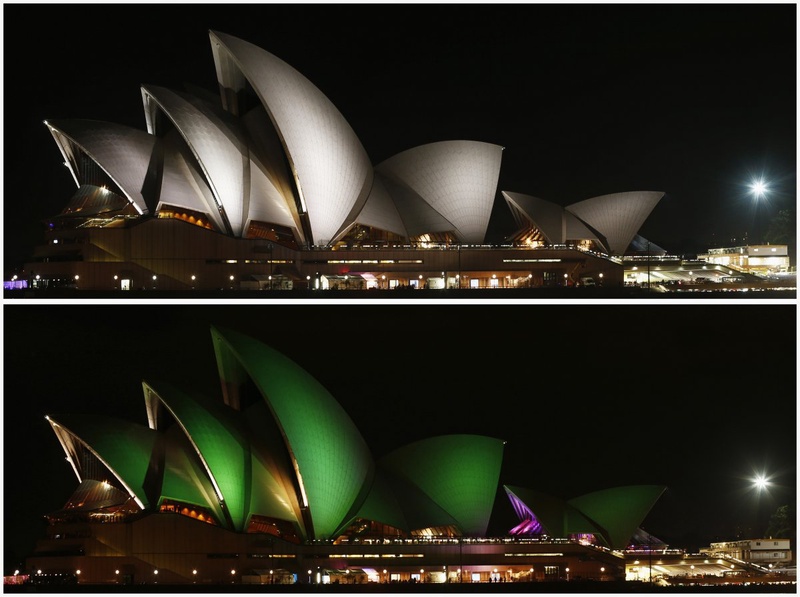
217, 149
273, 493
613, 514
184, 477
124, 448
619, 510
217, 441
618, 216
122, 152
382, 504
380, 211
458, 472
271, 192
557, 517
184, 185
331, 169
333, 464
546, 216
458, 179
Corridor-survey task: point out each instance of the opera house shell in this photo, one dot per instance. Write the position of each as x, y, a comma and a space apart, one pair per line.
274, 474
278, 455
267, 182
610, 516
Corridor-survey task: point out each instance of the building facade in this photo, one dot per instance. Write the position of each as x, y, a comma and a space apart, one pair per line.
763, 260
765, 552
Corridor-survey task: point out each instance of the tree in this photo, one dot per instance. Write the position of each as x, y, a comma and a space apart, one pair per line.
782, 523
782, 228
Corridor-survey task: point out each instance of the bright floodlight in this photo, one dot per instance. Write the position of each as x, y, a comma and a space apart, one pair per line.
759, 188
760, 482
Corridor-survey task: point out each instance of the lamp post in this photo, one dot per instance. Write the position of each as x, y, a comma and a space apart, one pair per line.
761, 483
759, 190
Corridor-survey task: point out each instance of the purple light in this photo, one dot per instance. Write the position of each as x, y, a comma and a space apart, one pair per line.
527, 528
529, 524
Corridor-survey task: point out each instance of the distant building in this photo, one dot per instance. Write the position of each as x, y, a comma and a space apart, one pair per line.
753, 259
754, 551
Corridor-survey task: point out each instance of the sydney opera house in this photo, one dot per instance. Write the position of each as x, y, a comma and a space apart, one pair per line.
266, 185
272, 483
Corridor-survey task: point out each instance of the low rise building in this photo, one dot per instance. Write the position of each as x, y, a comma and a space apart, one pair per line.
754, 551
754, 259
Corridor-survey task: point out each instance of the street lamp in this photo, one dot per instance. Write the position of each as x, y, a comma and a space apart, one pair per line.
760, 482
759, 190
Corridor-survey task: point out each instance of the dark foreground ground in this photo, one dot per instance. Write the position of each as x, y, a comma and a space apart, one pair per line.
627, 588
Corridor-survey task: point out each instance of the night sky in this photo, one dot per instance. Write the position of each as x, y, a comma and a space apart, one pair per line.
695, 396
693, 100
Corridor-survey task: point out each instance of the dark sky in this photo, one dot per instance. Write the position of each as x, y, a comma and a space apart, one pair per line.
697, 397
690, 99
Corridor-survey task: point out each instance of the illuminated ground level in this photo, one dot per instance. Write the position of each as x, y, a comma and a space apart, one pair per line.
166, 254
169, 549
169, 256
